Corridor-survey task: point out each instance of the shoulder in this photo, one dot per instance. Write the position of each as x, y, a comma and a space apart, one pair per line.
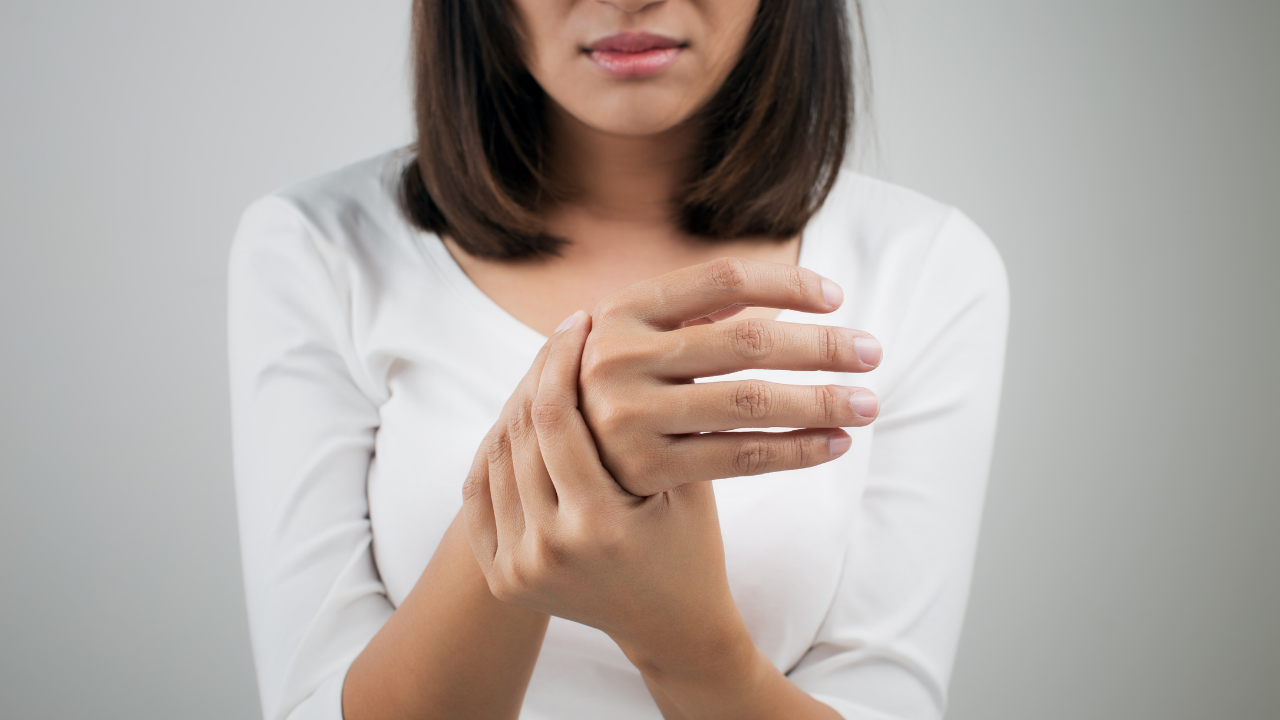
322, 264
914, 270
887, 223
347, 215
904, 242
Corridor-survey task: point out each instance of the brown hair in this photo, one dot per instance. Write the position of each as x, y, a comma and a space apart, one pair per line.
776, 130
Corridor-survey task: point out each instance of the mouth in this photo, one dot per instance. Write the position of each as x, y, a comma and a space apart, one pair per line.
634, 55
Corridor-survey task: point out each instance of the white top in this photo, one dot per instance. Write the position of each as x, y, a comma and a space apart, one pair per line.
366, 368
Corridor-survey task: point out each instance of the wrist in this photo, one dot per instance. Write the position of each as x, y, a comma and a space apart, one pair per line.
711, 672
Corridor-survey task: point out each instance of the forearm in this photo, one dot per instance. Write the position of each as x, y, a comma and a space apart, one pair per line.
721, 679
450, 650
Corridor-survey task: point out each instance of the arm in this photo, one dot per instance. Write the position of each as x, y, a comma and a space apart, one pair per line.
887, 646
304, 419
697, 681
635, 550
450, 650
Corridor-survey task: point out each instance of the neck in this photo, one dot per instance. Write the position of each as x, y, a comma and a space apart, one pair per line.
619, 178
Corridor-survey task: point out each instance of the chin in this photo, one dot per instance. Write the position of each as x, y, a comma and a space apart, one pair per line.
635, 124
633, 111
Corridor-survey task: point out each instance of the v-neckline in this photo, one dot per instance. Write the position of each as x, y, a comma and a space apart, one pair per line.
479, 300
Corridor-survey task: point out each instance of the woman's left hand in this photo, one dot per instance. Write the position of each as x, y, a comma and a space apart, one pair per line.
552, 531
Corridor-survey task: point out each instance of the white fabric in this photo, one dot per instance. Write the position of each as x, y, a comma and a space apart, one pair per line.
366, 368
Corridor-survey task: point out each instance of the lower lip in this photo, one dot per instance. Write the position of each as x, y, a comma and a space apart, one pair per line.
634, 65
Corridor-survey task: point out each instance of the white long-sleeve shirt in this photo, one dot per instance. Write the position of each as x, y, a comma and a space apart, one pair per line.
366, 368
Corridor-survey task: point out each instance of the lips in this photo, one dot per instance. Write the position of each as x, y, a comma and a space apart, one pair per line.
634, 55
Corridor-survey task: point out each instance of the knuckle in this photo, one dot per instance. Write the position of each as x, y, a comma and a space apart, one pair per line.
726, 274
595, 357
549, 410
753, 457
827, 401
753, 400
752, 338
499, 589
548, 551
516, 576
498, 447
473, 487
797, 281
518, 422
609, 308
502, 581
603, 361
802, 450
829, 345
610, 419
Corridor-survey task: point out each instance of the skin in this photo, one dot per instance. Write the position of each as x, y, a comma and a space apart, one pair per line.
586, 499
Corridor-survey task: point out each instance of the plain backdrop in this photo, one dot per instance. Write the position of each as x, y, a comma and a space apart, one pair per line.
1123, 154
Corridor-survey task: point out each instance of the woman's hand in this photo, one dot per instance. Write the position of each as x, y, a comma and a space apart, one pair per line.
655, 429
553, 532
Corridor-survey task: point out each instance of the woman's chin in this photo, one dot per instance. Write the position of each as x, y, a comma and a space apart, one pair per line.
633, 118
628, 106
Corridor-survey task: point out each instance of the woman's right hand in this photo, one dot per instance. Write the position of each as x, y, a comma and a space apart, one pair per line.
656, 429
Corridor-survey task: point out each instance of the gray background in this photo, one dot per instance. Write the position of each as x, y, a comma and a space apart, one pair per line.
1123, 155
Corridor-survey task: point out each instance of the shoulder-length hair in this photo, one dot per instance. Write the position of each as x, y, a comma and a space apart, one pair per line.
775, 131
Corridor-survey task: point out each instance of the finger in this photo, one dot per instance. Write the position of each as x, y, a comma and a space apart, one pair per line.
567, 445
528, 385
701, 290
711, 456
537, 494
477, 506
507, 508
708, 407
722, 348
509, 457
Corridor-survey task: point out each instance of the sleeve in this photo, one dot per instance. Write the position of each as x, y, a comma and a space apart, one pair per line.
303, 432
888, 643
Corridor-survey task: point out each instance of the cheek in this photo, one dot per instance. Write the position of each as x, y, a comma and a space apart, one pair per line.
729, 23
549, 44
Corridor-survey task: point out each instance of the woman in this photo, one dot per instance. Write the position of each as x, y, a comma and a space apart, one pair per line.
447, 513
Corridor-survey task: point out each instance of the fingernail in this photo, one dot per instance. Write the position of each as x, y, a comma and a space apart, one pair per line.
868, 349
831, 293
864, 403
573, 320
839, 444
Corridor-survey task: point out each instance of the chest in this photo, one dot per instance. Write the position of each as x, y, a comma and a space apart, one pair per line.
542, 293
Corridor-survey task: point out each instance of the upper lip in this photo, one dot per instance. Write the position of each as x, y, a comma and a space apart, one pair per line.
629, 42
